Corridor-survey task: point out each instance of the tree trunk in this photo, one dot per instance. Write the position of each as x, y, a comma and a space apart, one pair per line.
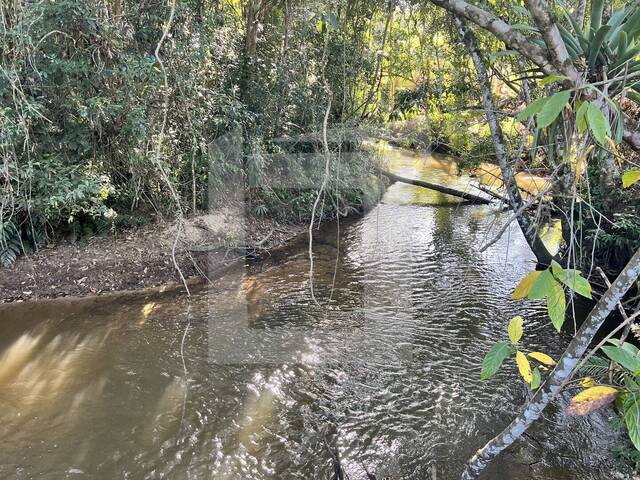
528, 228
251, 27
560, 374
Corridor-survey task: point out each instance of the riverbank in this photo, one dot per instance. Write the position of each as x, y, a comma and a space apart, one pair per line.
143, 257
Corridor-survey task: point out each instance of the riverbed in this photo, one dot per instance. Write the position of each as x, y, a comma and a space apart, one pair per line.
371, 362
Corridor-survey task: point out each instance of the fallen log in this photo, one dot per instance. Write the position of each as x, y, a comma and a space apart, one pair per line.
470, 197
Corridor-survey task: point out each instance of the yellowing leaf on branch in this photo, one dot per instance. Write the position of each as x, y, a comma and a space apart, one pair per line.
515, 329
592, 399
524, 367
522, 290
543, 285
542, 358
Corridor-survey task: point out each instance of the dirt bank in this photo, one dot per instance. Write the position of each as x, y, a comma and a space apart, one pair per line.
143, 257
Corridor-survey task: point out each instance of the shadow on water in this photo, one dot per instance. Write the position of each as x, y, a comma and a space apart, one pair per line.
250, 379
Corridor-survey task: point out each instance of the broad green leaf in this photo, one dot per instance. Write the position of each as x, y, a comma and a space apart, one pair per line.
515, 329
581, 117
556, 305
629, 347
630, 177
522, 290
531, 109
535, 379
552, 108
493, 359
598, 124
542, 358
542, 286
574, 280
592, 399
597, 9
524, 367
632, 419
623, 358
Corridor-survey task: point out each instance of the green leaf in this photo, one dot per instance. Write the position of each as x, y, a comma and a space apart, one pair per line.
535, 381
531, 109
522, 290
552, 108
596, 45
542, 286
515, 329
623, 358
574, 280
629, 347
597, 8
598, 124
632, 419
634, 96
581, 117
493, 359
630, 177
557, 305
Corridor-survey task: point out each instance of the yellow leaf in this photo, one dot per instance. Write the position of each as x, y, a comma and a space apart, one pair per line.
524, 367
591, 399
542, 358
587, 382
515, 329
522, 290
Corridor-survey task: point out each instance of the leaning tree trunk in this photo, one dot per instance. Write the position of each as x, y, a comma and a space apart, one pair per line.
560, 374
527, 227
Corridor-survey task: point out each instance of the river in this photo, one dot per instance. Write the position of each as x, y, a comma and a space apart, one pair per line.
252, 378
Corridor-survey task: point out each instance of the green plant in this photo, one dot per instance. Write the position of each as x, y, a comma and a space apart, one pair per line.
10, 243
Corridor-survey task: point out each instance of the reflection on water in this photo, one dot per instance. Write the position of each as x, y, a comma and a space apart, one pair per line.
250, 379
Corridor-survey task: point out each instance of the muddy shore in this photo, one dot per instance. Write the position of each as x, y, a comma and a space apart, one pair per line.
144, 257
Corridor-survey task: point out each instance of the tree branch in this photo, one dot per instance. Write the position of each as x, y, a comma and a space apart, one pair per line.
559, 55
502, 30
560, 374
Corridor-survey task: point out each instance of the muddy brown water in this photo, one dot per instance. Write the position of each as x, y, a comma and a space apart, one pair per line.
251, 379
